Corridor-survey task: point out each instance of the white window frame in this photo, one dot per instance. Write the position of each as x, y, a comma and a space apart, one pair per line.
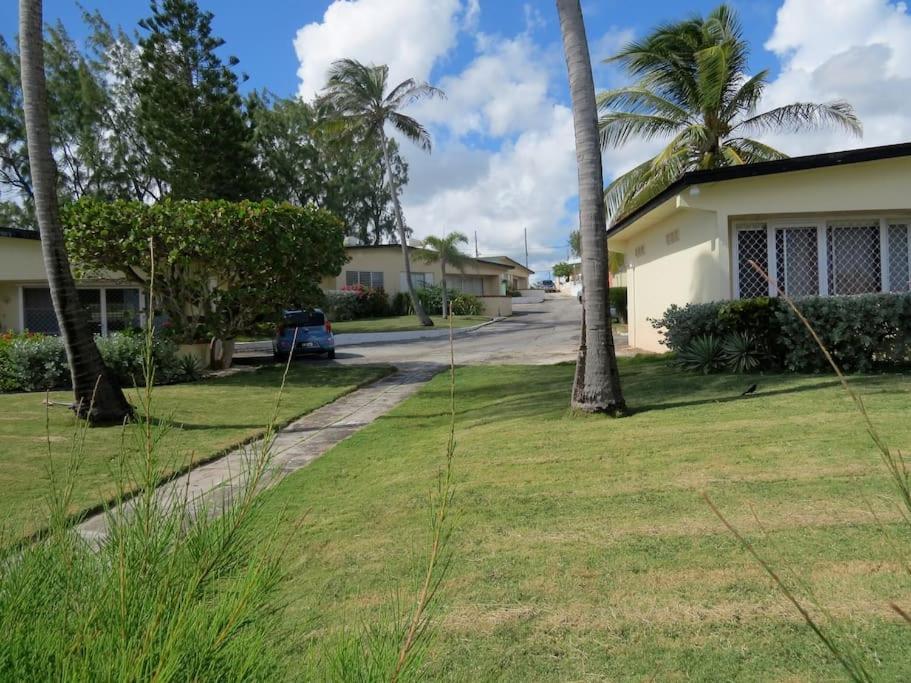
102, 302
820, 222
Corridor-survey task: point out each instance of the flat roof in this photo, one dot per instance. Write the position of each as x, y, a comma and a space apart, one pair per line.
803, 163
20, 233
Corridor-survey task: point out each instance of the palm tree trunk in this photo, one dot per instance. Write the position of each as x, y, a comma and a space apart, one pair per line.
97, 396
600, 390
400, 222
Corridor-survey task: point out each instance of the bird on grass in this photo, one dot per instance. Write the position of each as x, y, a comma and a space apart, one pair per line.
750, 391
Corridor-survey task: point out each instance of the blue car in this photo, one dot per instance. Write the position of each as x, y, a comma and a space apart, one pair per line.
303, 332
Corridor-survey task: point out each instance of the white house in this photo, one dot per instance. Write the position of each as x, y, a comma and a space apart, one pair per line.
827, 224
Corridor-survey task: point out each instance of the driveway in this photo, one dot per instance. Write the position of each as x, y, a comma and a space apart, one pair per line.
542, 333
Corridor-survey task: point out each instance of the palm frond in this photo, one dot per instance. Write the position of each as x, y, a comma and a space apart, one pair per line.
411, 129
616, 128
640, 100
745, 97
802, 116
753, 151
714, 75
411, 91
637, 186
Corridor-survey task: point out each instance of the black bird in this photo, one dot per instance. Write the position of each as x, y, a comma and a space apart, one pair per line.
750, 390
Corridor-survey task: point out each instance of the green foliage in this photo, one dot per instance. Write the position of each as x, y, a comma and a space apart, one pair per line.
32, 362
462, 304
123, 354
305, 158
692, 87
220, 266
702, 354
618, 301
864, 333
401, 304
575, 243
741, 353
562, 269
190, 112
355, 302
466, 304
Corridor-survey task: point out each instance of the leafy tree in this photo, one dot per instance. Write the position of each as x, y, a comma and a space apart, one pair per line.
575, 244
242, 262
97, 394
692, 87
305, 157
597, 384
361, 97
563, 269
446, 251
190, 113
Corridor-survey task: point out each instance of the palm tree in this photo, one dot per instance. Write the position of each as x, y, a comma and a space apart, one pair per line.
692, 87
446, 251
597, 384
97, 396
359, 93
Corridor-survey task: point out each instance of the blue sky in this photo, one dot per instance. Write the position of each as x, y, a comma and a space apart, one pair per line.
503, 158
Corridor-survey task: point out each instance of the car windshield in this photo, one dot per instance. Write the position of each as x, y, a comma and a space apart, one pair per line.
305, 319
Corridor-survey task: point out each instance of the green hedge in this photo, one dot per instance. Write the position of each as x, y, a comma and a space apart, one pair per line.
618, 302
864, 333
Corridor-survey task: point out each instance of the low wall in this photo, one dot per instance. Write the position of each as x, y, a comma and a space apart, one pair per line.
496, 306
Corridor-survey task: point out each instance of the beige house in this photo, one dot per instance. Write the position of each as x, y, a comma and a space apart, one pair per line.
25, 302
382, 266
517, 275
828, 224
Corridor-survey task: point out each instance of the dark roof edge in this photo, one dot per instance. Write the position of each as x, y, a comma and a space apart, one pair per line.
803, 163
20, 233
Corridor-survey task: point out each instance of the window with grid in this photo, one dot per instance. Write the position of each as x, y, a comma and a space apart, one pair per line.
752, 245
854, 258
899, 271
364, 277
797, 260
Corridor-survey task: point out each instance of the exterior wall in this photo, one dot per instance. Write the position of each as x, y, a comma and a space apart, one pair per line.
9, 307
695, 265
661, 271
21, 260
497, 306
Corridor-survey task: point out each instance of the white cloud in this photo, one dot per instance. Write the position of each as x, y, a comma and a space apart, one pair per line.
859, 51
407, 35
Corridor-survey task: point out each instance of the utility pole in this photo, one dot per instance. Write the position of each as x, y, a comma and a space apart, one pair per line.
476, 244
526, 246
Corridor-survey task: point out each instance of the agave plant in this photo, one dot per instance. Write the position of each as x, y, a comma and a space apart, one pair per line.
741, 352
703, 354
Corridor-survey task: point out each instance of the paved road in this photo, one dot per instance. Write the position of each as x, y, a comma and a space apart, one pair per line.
541, 333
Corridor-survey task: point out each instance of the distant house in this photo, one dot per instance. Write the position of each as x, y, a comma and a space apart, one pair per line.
828, 224
112, 303
517, 275
382, 266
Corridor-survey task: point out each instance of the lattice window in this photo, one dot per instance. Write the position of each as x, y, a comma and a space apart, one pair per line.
854, 259
899, 275
752, 245
364, 277
797, 261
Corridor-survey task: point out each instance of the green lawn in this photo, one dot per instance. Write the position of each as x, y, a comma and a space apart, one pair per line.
583, 550
403, 323
213, 415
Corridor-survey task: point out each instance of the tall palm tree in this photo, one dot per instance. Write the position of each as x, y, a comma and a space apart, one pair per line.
360, 94
446, 251
97, 395
597, 384
692, 87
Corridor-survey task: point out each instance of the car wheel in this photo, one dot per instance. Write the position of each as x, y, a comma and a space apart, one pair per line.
331, 355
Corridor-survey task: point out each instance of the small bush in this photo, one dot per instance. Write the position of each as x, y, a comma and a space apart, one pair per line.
401, 304
124, 352
618, 302
355, 302
33, 362
680, 325
466, 304
702, 354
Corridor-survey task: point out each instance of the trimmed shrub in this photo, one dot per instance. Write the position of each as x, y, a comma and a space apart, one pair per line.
864, 333
124, 354
354, 302
401, 304
466, 304
33, 362
618, 301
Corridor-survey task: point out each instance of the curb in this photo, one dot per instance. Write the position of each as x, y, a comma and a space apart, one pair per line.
437, 333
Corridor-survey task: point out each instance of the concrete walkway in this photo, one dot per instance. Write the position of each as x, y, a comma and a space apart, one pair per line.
295, 446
